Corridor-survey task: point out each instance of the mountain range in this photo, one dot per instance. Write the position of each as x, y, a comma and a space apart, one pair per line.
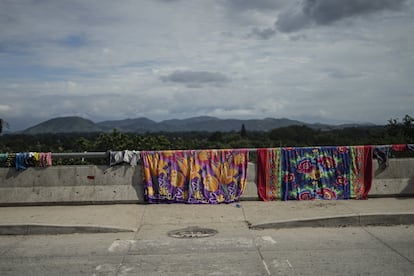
145, 125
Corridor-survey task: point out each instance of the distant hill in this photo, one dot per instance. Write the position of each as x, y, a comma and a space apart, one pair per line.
144, 125
215, 124
139, 125
64, 125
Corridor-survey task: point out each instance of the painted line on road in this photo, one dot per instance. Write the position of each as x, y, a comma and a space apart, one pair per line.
121, 245
266, 267
289, 264
269, 239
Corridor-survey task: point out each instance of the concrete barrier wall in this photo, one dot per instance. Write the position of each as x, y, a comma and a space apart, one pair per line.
123, 184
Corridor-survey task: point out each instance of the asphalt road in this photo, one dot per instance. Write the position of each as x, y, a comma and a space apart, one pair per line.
233, 250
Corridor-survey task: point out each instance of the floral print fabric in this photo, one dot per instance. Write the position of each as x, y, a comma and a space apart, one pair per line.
194, 176
315, 173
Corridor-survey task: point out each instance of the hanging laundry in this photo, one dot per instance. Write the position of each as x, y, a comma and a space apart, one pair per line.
268, 174
361, 171
3, 159
382, 154
115, 157
128, 156
410, 147
11, 160
45, 159
20, 162
194, 176
314, 173
36, 157
131, 157
399, 147
30, 159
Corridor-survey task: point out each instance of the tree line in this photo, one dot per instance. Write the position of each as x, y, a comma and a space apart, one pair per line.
395, 132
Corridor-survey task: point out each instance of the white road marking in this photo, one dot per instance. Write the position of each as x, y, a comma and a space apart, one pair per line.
105, 267
121, 245
267, 268
269, 239
125, 270
289, 264
281, 263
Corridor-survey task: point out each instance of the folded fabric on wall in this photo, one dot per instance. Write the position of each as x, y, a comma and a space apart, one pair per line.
314, 173
127, 156
194, 176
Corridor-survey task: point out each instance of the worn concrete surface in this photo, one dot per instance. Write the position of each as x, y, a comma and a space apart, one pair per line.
254, 214
234, 250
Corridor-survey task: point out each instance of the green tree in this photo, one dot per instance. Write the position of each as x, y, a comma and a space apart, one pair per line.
400, 132
243, 132
113, 141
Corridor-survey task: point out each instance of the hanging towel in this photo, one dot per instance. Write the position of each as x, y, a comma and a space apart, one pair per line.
194, 176
399, 147
217, 176
410, 147
268, 174
361, 171
314, 173
45, 159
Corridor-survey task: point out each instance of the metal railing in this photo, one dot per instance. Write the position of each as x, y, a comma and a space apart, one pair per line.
85, 154
103, 154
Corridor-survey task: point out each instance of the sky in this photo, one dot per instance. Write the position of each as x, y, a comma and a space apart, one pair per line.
328, 61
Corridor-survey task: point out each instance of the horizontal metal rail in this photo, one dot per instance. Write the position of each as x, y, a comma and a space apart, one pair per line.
96, 154
103, 154
79, 154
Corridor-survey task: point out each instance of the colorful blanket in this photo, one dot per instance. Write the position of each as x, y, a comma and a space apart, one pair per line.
268, 174
314, 173
194, 176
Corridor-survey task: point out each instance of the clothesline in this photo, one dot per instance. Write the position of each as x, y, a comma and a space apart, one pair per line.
219, 175
103, 154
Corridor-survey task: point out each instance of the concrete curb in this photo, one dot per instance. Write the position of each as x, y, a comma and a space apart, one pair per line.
47, 229
342, 221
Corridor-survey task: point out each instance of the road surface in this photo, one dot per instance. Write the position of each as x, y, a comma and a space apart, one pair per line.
233, 250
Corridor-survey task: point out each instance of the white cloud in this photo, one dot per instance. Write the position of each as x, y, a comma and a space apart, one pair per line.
176, 59
5, 108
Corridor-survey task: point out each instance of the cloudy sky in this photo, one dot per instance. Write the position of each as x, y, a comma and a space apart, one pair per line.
313, 60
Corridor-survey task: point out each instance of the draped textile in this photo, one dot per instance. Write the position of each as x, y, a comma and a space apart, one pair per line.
20, 162
194, 176
268, 176
382, 154
361, 171
45, 159
314, 173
